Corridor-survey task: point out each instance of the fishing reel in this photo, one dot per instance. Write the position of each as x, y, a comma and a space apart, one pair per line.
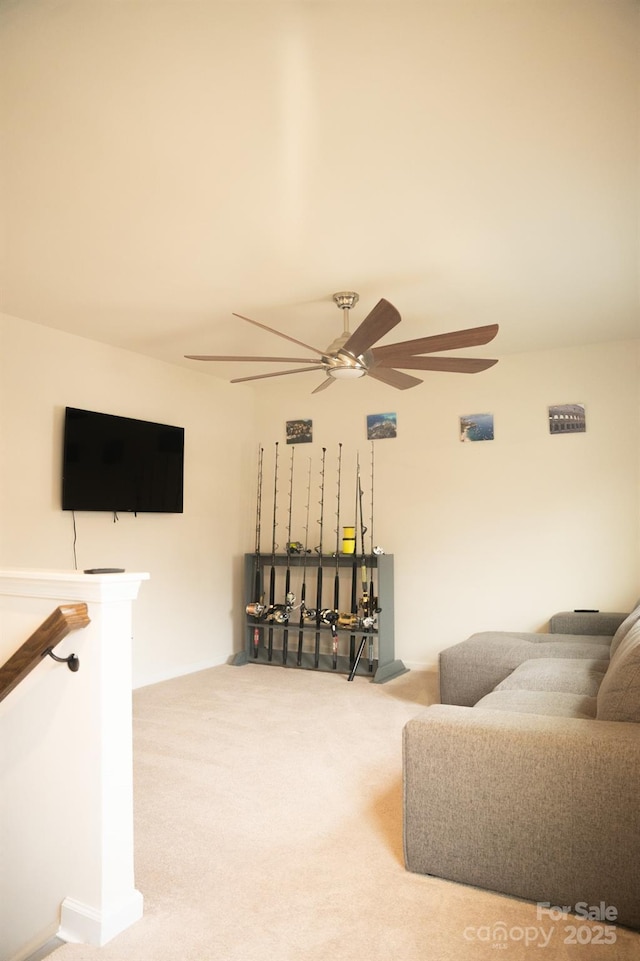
275, 612
280, 613
330, 617
369, 606
347, 621
297, 547
309, 613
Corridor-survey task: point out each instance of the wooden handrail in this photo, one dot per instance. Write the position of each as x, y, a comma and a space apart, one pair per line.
67, 618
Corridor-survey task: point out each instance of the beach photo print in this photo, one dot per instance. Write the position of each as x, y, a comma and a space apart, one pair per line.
475, 427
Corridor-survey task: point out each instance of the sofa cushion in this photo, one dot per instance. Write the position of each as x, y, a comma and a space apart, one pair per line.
549, 703
473, 668
619, 694
565, 675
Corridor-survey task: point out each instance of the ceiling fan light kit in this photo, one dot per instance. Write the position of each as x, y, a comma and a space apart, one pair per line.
352, 355
346, 373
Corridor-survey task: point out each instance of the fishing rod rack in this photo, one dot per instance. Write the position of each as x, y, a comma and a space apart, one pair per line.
295, 645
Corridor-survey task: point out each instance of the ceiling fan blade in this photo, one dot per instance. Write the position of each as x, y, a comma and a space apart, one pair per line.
457, 365
472, 337
383, 318
327, 382
395, 378
277, 373
271, 360
279, 333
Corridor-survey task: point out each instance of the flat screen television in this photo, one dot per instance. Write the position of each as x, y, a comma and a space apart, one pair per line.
113, 463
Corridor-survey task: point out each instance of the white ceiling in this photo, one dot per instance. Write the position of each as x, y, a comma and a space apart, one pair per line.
168, 163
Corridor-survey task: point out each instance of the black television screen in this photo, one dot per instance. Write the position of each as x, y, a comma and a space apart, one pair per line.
113, 463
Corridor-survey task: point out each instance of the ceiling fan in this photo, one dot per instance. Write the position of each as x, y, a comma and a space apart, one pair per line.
353, 355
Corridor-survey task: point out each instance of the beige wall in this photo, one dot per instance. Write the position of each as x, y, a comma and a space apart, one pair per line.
184, 617
497, 534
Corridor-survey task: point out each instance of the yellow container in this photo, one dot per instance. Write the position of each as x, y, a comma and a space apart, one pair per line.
348, 540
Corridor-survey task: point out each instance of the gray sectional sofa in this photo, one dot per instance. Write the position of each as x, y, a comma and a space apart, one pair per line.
525, 779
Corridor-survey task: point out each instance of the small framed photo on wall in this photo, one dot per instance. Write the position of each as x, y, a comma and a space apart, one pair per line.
381, 426
476, 427
299, 431
567, 419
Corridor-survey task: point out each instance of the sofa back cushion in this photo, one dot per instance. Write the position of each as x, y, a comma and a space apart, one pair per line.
624, 629
619, 694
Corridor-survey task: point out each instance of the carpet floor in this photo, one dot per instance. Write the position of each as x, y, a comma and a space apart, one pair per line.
268, 820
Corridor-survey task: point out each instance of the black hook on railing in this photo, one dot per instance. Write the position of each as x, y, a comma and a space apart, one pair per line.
72, 661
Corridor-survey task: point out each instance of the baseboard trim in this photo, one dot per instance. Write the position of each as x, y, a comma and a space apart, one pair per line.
170, 675
151, 679
422, 665
46, 949
83, 924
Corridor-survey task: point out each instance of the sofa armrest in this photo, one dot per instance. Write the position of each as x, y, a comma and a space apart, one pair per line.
537, 807
602, 623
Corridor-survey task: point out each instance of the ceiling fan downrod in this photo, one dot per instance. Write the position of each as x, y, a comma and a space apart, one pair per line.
338, 362
346, 300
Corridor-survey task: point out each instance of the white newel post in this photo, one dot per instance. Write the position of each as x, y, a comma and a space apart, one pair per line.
66, 765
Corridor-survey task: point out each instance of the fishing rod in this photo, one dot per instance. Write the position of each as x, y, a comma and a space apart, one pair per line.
303, 588
365, 599
336, 579
319, 571
257, 608
354, 570
373, 601
272, 576
289, 598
